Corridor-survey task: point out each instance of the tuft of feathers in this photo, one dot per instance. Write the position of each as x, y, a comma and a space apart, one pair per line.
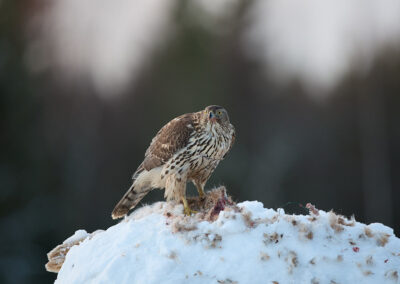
57, 255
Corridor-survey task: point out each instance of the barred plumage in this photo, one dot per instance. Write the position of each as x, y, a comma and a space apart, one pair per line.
188, 148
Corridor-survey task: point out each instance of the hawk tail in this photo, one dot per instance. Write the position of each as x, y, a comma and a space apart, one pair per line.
132, 197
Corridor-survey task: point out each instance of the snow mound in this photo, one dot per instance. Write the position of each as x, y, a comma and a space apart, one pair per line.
243, 243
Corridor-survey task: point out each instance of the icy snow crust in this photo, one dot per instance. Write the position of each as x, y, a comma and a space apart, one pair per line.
79, 235
158, 244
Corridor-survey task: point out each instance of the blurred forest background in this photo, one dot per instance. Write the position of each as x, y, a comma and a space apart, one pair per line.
312, 87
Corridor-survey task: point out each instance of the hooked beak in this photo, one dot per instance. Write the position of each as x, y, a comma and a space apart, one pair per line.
213, 119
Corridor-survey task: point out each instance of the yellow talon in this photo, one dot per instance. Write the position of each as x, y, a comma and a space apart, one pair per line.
186, 208
189, 212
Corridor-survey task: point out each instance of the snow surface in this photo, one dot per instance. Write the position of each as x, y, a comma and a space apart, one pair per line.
80, 234
251, 244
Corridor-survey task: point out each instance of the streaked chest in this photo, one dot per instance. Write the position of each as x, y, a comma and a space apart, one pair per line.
209, 146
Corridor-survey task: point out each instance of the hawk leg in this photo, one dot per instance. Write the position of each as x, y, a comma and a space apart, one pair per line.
200, 189
186, 208
175, 189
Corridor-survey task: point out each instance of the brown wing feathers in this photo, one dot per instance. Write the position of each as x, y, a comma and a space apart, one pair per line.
170, 139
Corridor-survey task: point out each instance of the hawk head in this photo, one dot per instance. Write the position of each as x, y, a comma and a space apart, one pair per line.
215, 114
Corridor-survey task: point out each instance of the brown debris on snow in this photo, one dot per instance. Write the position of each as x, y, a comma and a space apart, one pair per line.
343, 221
213, 241
264, 256
292, 261
368, 232
57, 255
337, 222
334, 222
227, 281
172, 255
312, 209
179, 226
247, 219
272, 238
381, 238
369, 260
305, 232
392, 274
